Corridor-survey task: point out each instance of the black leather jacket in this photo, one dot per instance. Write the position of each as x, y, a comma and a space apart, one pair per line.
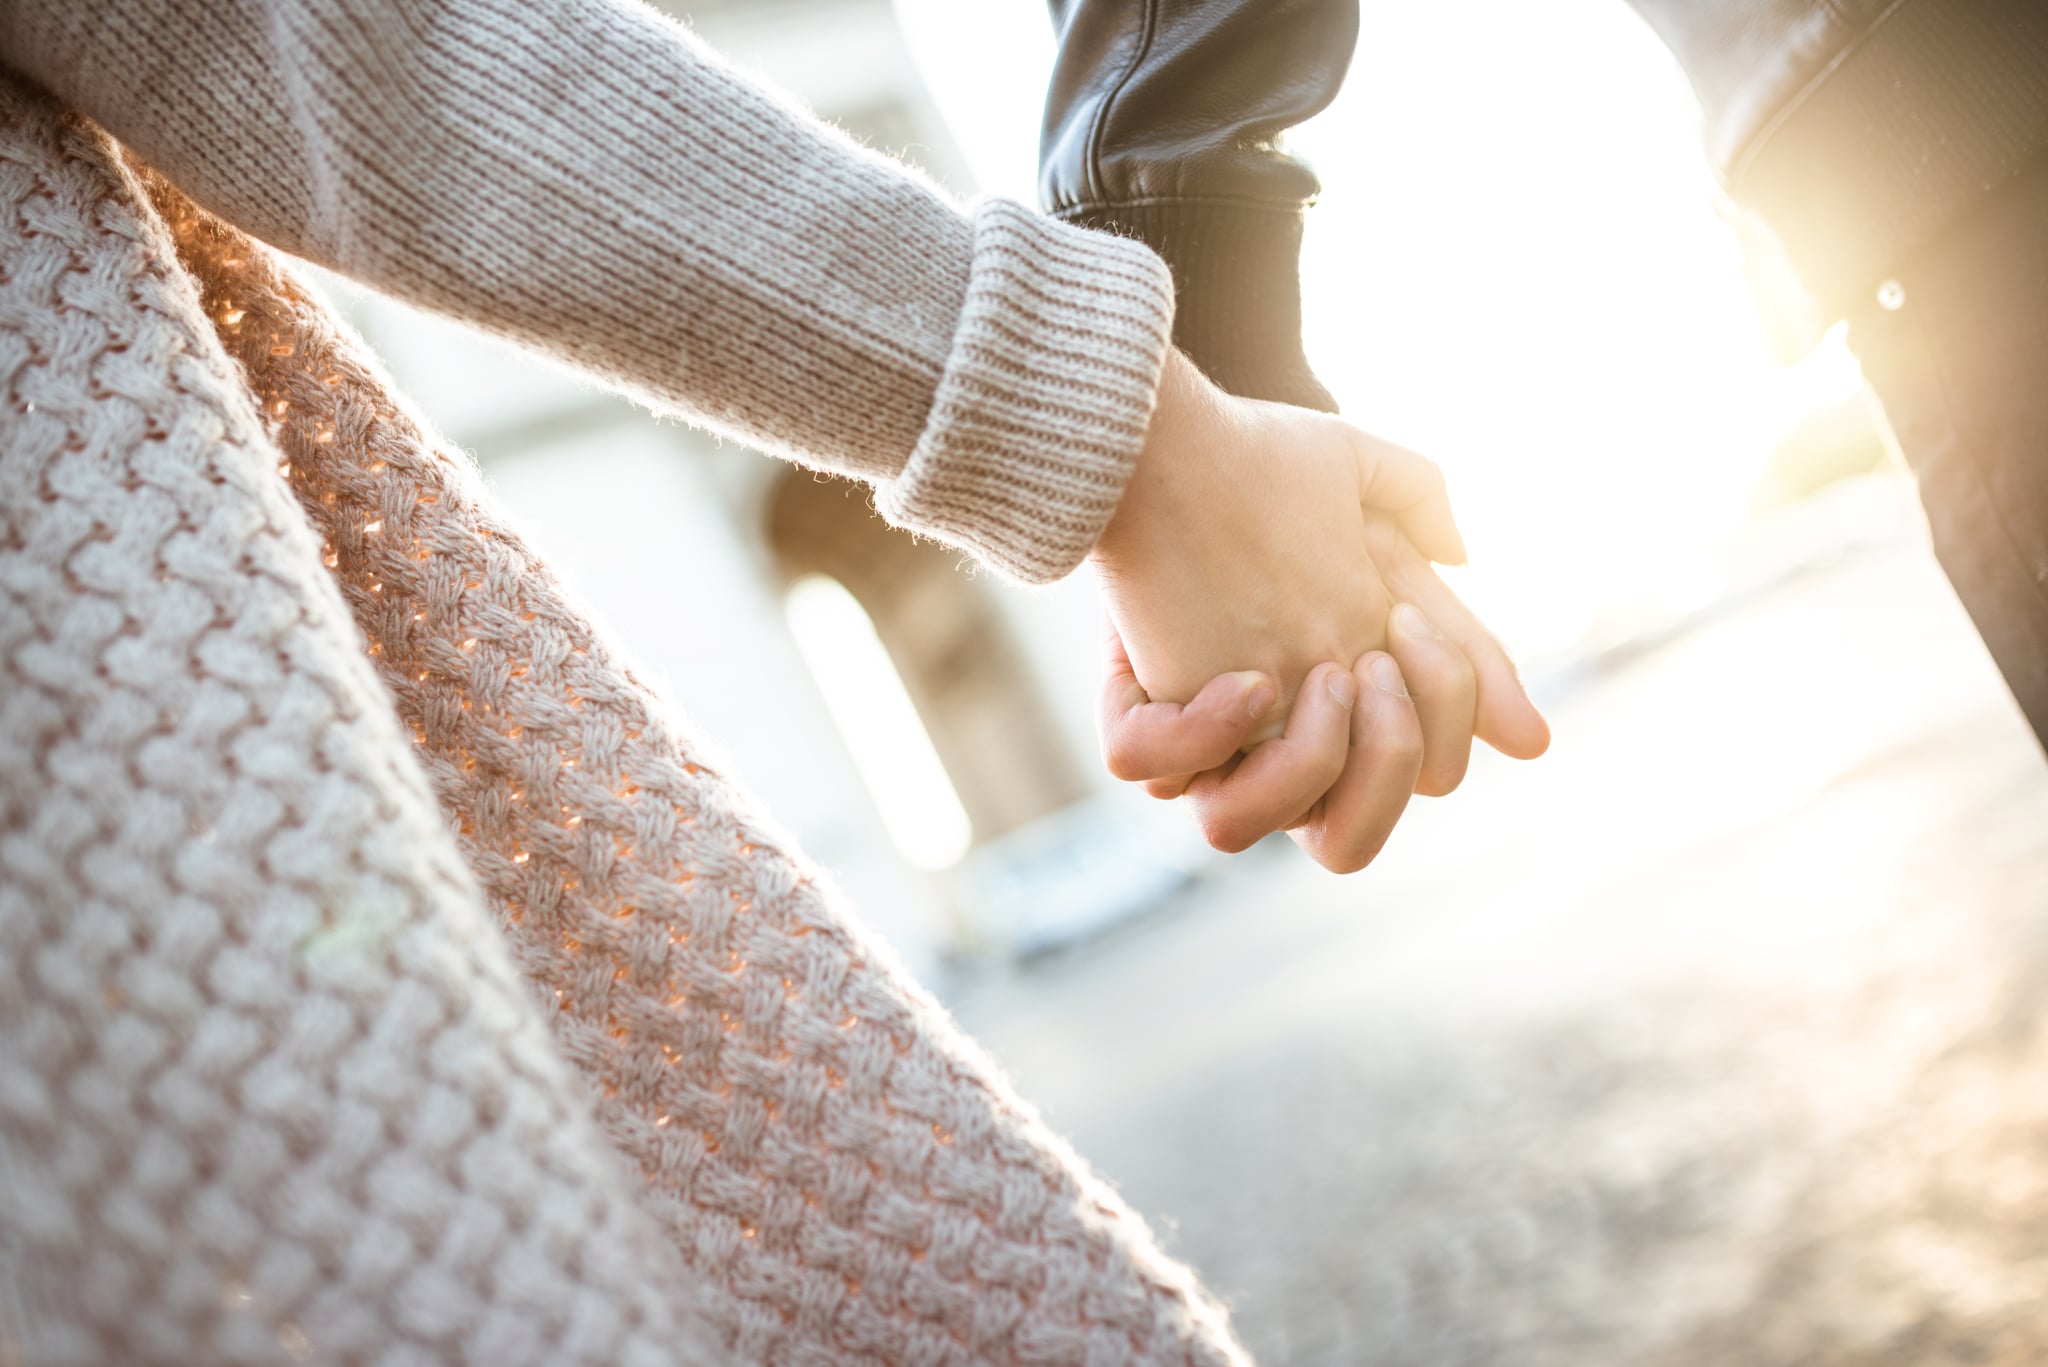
1848, 134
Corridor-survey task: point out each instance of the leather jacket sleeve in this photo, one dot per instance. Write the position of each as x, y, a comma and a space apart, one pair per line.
1164, 122
1851, 135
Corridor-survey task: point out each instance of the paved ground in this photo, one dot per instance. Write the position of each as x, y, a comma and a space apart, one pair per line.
1720, 1036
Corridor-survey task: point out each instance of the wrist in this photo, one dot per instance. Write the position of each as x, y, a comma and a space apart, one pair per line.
1159, 478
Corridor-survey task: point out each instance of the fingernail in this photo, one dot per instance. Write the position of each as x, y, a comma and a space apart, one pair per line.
1343, 688
1409, 621
1261, 695
1386, 676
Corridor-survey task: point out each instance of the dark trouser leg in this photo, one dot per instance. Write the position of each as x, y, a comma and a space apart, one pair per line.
1962, 370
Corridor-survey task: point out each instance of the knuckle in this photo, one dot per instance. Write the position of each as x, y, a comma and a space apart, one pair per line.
1439, 783
1309, 770
1122, 759
1213, 744
1403, 748
1225, 835
1382, 540
1359, 851
1326, 777
1343, 857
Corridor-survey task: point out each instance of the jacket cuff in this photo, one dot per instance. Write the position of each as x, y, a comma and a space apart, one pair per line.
1045, 398
1237, 272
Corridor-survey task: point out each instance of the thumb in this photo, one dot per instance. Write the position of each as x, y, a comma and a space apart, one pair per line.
1145, 741
1393, 479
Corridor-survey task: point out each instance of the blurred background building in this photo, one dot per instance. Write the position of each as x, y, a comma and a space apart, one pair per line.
1714, 1037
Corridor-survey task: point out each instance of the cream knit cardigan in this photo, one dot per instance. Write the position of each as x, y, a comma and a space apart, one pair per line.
382, 976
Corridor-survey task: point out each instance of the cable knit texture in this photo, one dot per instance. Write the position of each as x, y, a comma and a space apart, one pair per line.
268, 1075
584, 177
382, 976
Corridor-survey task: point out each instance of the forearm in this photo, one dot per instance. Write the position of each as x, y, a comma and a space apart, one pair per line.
583, 177
1164, 121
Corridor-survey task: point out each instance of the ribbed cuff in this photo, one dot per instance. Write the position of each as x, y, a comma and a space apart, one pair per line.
1237, 273
1045, 398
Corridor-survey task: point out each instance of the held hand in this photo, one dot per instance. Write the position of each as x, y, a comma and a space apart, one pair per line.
1263, 536
1337, 779
1240, 542
1337, 789
1461, 680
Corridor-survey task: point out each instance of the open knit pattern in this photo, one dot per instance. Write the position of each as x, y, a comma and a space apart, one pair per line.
584, 1066
268, 1077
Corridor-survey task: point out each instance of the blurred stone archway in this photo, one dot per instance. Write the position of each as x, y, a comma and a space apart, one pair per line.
959, 660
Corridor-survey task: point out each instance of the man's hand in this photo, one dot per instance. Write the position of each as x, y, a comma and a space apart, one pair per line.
1436, 639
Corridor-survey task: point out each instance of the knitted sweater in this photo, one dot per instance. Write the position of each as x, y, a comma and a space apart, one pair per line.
383, 976
583, 177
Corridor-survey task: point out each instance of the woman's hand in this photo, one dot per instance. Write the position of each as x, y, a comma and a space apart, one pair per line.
1337, 786
1337, 779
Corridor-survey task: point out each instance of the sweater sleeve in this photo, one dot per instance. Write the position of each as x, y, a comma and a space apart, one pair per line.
585, 177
